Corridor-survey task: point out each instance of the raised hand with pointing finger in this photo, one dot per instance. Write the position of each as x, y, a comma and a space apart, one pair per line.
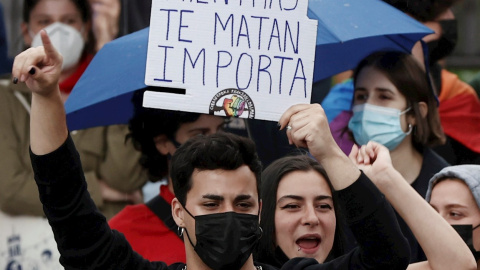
65, 30
39, 67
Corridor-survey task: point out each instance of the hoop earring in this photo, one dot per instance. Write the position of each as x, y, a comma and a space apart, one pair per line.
410, 128
261, 232
180, 231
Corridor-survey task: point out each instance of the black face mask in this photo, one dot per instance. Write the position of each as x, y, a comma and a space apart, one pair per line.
225, 240
443, 47
466, 232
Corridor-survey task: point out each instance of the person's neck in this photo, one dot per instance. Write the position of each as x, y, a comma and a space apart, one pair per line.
407, 160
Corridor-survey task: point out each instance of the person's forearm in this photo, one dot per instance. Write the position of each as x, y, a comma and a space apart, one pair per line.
419, 266
48, 126
381, 244
340, 169
443, 247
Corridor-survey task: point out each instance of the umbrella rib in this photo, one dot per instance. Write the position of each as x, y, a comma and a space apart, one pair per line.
332, 33
399, 44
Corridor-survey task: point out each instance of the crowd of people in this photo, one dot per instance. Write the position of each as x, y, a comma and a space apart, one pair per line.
388, 182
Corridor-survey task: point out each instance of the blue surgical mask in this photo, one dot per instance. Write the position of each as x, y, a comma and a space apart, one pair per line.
379, 124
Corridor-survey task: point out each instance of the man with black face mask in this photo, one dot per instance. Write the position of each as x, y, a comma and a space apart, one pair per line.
459, 106
216, 182
157, 134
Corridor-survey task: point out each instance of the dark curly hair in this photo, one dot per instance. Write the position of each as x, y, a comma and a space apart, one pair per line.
148, 123
422, 10
221, 150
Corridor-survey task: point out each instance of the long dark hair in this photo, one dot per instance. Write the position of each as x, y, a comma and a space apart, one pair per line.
267, 250
410, 80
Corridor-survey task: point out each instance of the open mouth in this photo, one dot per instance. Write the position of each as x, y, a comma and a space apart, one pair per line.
308, 242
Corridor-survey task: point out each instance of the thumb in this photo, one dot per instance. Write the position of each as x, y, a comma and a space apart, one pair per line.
353, 154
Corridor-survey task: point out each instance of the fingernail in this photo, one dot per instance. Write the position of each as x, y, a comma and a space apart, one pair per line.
32, 71
22, 78
15, 80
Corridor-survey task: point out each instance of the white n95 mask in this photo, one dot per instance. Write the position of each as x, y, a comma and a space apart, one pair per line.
67, 40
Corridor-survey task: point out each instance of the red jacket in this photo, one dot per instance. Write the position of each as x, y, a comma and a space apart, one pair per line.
66, 86
147, 234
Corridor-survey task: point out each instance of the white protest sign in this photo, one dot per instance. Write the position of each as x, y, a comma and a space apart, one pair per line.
243, 58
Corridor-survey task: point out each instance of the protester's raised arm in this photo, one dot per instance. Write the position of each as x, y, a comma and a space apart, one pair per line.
40, 69
307, 126
381, 245
443, 246
83, 237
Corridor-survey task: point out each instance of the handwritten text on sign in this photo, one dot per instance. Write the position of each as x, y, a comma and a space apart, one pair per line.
258, 54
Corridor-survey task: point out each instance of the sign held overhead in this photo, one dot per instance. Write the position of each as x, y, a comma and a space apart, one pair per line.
242, 58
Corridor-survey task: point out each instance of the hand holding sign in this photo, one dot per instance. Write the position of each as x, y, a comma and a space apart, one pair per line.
307, 126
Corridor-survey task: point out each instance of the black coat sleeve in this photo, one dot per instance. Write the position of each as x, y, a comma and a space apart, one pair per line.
83, 237
381, 244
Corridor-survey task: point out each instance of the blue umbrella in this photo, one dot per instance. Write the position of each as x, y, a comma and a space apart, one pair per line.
102, 95
348, 30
